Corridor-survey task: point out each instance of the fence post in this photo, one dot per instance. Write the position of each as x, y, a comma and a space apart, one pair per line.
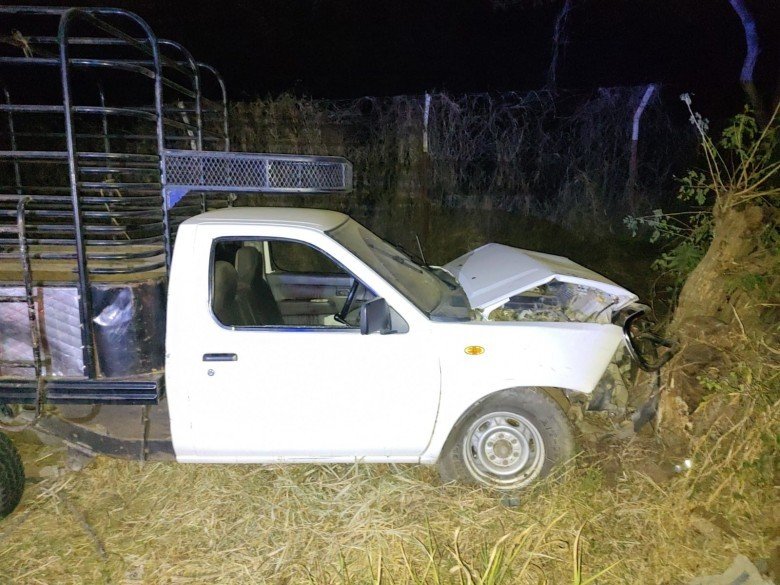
633, 163
426, 173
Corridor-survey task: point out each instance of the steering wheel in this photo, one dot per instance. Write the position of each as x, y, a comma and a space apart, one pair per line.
341, 316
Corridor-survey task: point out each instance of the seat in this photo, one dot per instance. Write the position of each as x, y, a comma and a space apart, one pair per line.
223, 293
256, 302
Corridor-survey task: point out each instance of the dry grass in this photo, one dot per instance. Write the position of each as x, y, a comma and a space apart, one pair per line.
124, 522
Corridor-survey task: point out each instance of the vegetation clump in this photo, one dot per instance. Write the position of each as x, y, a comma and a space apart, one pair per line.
726, 318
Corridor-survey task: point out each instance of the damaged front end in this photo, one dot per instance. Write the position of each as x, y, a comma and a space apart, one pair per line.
508, 284
558, 301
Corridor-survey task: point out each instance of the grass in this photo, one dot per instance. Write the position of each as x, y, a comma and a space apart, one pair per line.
607, 518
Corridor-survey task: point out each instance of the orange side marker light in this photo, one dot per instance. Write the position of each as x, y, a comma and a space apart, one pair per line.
474, 350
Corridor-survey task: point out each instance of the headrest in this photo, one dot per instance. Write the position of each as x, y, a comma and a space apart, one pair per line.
225, 283
248, 261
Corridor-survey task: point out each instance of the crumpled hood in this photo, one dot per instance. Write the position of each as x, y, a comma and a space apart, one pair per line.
490, 275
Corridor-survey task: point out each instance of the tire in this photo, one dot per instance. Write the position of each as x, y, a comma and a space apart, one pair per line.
11, 476
507, 441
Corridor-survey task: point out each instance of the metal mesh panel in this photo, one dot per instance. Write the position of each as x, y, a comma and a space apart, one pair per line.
226, 171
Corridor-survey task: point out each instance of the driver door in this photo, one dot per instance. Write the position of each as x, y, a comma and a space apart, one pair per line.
313, 390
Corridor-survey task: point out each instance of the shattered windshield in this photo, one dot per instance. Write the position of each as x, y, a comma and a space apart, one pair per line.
417, 284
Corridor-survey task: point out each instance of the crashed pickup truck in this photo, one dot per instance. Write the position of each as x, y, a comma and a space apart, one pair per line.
298, 335
136, 323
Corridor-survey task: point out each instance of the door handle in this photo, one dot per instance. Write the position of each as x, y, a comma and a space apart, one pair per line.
220, 357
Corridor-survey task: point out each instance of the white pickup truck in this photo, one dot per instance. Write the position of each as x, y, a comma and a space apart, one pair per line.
298, 335
134, 325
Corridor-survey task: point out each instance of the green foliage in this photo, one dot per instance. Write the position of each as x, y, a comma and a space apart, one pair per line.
758, 284
680, 260
592, 480
577, 577
694, 187
686, 235
511, 559
741, 167
739, 380
744, 379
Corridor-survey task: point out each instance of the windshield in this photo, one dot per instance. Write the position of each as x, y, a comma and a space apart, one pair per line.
417, 284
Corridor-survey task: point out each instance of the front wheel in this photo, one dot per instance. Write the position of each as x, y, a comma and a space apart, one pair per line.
508, 441
11, 476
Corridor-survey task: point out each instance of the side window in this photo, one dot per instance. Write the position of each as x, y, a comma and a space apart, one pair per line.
290, 256
305, 288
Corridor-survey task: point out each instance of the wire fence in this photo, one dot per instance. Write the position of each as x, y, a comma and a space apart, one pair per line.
563, 157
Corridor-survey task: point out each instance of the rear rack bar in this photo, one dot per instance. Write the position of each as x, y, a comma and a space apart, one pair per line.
28, 298
37, 386
257, 173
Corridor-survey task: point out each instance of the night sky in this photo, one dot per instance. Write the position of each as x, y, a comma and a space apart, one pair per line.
350, 48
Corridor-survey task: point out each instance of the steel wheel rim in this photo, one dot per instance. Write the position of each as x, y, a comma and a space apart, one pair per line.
503, 449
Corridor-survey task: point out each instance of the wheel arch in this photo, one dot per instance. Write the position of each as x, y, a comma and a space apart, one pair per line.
436, 448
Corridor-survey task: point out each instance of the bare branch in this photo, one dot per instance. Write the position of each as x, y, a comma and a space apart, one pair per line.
751, 38
751, 57
560, 37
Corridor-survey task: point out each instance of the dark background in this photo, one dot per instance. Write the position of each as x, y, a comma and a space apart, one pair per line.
350, 48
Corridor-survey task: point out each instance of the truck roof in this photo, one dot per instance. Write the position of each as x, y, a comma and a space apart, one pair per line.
318, 219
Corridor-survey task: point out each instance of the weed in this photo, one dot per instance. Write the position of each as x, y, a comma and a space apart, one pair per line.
741, 167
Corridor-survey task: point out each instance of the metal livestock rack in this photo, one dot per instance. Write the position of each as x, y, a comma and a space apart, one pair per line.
111, 137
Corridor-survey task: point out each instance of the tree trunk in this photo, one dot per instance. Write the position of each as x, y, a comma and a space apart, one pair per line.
712, 315
708, 290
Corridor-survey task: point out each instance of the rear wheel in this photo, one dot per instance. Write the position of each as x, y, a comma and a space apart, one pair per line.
11, 476
508, 441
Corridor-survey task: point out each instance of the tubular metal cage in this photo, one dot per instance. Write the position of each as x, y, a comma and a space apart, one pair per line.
112, 137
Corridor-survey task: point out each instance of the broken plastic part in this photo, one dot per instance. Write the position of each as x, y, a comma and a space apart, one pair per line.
558, 301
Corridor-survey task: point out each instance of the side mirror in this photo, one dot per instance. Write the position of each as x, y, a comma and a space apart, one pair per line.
375, 317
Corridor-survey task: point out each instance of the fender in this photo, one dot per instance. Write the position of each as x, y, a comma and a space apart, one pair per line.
570, 356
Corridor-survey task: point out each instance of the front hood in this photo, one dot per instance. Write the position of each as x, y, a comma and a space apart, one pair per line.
494, 273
